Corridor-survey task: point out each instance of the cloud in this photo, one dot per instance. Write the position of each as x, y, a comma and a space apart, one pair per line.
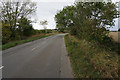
53, 0
47, 11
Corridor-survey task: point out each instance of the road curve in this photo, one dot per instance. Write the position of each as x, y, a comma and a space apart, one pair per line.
43, 58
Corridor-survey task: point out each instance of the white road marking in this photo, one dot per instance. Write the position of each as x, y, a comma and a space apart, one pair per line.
1, 67
33, 49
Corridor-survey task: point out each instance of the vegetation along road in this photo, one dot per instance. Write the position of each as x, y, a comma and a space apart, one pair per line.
92, 48
43, 58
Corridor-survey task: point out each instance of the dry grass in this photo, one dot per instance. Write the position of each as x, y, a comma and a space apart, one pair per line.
115, 36
91, 61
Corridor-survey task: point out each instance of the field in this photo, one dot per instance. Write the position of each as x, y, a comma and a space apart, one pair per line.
115, 36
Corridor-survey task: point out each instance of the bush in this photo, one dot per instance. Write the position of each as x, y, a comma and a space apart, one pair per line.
49, 31
28, 31
6, 33
97, 34
25, 28
17, 36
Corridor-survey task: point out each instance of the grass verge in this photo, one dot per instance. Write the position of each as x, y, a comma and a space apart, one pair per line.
89, 60
15, 43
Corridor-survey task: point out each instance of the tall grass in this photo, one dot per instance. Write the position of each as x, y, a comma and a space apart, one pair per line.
91, 61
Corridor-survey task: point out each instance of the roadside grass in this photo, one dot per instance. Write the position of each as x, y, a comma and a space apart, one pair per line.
15, 43
88, 60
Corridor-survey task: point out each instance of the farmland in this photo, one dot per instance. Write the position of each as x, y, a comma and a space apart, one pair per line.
115, 36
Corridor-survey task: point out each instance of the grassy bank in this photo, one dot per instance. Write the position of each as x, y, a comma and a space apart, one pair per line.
89, 60
29, 39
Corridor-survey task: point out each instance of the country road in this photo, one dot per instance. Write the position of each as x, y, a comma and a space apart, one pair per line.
43, 58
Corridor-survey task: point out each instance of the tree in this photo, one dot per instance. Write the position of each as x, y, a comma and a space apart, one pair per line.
44, 23
25, 28
11, 12
87, 19
65, 18
96, 15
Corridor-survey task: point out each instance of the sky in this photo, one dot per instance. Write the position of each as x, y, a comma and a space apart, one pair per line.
46, 10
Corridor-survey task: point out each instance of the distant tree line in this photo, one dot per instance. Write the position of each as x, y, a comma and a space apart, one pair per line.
88, 20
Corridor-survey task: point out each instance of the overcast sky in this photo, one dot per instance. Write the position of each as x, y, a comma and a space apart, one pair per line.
46, 10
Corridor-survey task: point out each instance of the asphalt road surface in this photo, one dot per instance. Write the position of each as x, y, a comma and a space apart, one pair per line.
43, 58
